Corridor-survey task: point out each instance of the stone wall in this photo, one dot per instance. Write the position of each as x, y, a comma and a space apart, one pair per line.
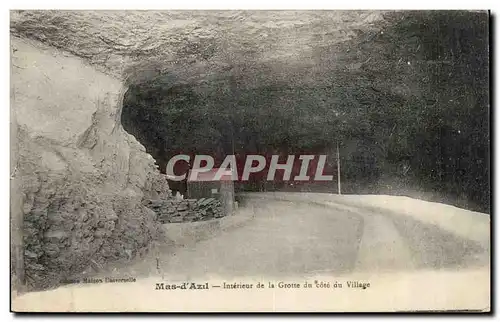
77, 178
189, 210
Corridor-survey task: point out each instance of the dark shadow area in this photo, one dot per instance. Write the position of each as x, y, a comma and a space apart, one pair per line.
408, 106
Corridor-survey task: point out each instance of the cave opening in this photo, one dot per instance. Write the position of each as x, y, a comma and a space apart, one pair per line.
224, 118
164, 118
418, 129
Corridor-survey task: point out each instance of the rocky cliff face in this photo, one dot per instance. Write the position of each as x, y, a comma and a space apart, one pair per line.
77, 177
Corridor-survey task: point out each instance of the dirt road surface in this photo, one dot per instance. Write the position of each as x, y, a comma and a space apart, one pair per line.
300, 240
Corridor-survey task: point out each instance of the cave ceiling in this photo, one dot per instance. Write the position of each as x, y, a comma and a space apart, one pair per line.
202, 48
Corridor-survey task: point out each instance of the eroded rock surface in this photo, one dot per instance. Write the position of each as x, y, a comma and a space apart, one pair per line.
200, 46
79, 178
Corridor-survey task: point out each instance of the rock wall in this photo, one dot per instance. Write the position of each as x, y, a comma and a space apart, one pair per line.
189, 210
77, 178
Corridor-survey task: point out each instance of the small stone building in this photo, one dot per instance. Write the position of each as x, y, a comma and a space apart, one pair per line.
206, 186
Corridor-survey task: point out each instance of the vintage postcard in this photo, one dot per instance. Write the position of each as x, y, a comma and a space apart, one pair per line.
250, 161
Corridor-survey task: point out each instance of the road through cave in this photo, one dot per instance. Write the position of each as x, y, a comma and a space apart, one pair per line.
102, 100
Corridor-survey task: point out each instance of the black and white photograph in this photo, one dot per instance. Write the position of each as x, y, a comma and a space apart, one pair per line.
250, 160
